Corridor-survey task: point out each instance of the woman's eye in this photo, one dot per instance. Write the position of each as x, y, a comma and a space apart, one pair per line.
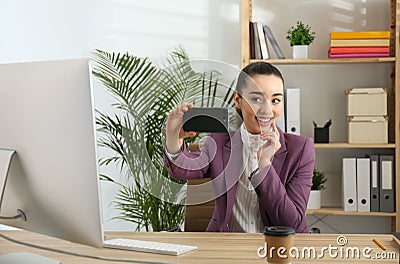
276, 101
256, 99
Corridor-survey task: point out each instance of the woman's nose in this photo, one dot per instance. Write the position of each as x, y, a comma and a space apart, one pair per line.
265, 108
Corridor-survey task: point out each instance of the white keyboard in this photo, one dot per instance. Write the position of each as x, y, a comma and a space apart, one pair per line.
148, 246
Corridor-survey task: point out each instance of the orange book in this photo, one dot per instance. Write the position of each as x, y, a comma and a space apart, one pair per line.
361, 35
362, 50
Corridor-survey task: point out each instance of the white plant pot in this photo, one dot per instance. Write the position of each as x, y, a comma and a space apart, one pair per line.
315, 200
300, 52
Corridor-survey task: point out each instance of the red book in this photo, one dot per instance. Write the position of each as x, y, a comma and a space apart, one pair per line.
352, 50
359, 55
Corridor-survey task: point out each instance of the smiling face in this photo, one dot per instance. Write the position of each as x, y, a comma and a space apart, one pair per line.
260, 102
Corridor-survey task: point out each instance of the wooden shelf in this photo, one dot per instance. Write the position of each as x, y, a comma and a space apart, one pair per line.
339, 211
336, 145
330, 61
393, 65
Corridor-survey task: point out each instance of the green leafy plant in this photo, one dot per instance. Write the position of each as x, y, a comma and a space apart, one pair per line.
319, 179
300, 34
144, 96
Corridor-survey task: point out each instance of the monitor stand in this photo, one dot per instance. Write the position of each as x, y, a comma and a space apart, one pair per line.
25, 258
6, 156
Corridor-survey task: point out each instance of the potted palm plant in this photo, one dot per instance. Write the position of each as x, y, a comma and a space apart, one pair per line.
144, 95
318, 184
300, 37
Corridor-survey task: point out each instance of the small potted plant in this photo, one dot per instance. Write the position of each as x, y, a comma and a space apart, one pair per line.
318, 184
300, 36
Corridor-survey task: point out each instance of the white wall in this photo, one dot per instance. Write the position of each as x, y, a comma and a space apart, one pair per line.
209, 29
49, 29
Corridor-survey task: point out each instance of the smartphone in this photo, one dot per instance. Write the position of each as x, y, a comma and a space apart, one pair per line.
206, 119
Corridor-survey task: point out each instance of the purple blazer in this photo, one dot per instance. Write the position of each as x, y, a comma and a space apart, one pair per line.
284, 188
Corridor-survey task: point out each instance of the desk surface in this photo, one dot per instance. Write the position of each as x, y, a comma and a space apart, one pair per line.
212, 247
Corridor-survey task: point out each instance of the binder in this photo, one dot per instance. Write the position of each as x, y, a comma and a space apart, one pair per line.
251, 34
349, 183
375, 183
257, 48
272, 40
386, 202
293, 110
281, 122
363, 184
263, 42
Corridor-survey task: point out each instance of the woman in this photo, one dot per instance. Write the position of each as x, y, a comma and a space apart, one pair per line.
264, 175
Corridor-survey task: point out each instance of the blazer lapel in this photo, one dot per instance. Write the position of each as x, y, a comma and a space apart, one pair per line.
233, 160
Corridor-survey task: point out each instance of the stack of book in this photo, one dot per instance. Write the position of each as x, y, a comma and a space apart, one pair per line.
359, 44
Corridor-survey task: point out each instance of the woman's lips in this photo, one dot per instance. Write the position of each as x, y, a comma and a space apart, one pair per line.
264, 121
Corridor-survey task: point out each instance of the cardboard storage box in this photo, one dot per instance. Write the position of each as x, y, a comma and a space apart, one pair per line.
366, 101
368, 129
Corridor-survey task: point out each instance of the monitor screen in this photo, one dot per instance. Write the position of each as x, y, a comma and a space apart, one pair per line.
47, 117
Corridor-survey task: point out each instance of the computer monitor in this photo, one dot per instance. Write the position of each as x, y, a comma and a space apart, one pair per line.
47, 118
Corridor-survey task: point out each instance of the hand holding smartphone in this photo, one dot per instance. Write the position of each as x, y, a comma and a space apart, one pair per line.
206, 119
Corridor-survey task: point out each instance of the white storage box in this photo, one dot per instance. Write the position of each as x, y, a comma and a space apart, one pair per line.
368, 129
366, 101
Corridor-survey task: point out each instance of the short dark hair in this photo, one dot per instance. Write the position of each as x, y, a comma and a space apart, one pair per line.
256, 68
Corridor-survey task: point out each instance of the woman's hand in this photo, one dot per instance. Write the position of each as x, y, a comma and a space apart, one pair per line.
174, 131
266, 151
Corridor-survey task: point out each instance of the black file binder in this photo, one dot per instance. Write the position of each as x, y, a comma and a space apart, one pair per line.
387, 184
375, 183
